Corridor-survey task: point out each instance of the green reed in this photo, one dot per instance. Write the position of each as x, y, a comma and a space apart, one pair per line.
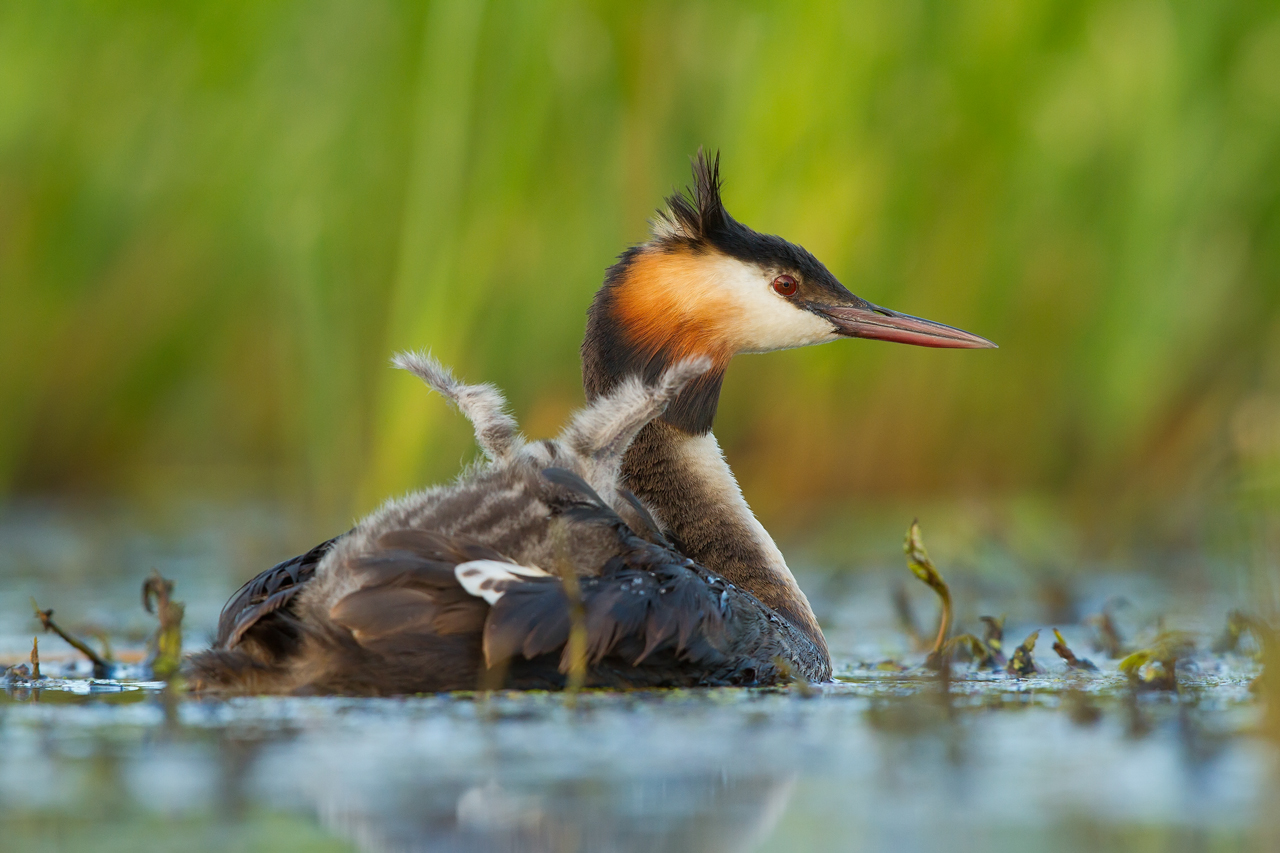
219, 220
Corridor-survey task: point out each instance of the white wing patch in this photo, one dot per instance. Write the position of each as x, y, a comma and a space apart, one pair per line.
481, 577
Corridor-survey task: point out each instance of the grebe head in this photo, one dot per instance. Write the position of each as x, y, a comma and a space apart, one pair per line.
707, 285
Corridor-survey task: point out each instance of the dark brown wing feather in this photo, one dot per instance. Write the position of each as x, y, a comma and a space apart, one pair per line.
649, 603
267, 594
630, 612
652, 618
409, 591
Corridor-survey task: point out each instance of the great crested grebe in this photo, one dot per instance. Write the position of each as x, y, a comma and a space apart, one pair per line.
706, 284
445, 586
679, 583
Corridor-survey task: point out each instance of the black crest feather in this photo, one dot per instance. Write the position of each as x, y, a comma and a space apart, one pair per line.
696, 214
693, 221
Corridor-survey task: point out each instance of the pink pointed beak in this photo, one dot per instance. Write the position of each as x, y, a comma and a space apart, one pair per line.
881, 324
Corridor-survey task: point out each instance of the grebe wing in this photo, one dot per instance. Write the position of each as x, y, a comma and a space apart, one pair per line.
647, 598
407, 588
267, 593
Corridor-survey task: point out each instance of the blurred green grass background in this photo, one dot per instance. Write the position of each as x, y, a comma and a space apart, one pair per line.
219, 220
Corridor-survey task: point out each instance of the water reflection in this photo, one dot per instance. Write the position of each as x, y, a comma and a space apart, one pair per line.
712, 812
531, 775
867, 766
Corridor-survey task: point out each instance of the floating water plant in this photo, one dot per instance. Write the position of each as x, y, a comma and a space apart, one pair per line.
982, 652
1023, 662
166, 644
1155, 668
101, 668
994, 638
1064, 651
573, 661
797, 682
923, 568
979, 652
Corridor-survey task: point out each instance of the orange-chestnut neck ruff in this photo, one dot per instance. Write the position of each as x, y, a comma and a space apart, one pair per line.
650, 314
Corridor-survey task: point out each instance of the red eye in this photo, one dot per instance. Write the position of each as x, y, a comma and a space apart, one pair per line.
785, 285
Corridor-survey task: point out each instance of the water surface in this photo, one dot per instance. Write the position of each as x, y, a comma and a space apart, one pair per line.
879, 760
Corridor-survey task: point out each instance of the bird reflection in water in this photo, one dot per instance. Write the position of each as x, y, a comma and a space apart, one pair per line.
711, 812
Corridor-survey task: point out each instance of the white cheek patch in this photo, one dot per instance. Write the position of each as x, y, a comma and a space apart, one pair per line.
762, 320
488, 579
